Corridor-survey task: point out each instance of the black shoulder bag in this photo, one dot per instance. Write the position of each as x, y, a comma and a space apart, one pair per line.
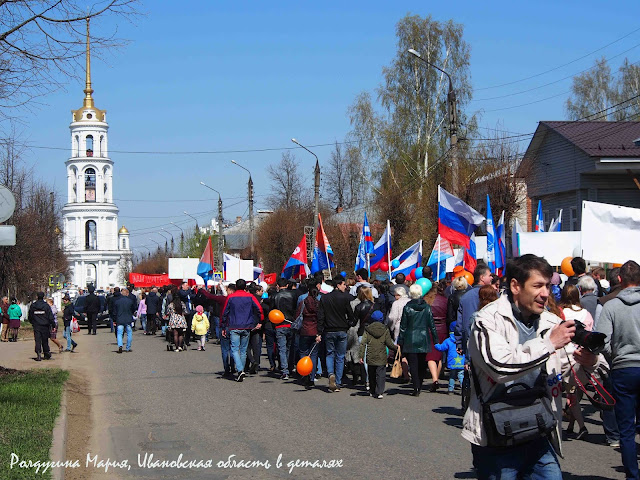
518, 415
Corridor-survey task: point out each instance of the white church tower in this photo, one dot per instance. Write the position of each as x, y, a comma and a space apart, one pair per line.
96, 249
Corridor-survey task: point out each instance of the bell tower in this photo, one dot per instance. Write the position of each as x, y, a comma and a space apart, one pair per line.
90, 218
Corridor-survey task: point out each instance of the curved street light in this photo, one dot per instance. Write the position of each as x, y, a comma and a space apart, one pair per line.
316, 190
250, 185
220, 255
188, 215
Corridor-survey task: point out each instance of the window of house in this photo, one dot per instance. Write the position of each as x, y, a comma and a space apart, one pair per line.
89, 185
90, 236
89, 145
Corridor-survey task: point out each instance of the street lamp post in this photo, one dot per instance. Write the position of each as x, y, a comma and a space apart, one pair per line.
172, 241
193, 218
452, 110
316, 191
251, 233
220, 227
181, 237
159, 246
166, 243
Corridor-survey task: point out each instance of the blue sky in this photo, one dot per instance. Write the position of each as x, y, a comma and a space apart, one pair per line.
220, 76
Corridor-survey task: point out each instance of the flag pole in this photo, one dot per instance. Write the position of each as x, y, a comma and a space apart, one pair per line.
389, 249
438, 244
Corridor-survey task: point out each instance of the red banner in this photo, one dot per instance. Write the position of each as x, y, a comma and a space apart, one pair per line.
142, 280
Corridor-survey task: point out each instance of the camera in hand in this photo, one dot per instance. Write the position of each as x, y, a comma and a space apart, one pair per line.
592, 341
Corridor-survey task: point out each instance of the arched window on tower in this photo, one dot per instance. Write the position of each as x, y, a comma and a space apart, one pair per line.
89, 185
124, 244
89, 145
90, 235
102, 145
77, 149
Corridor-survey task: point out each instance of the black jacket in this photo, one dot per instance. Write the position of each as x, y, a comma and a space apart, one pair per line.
123, 309
335, 313
363, 313
286, 301
40, 315
453, 302
154, 303
67, 315
92, 304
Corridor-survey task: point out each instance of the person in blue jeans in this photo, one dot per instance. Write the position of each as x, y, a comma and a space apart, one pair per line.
620, 322
67, 316
335, 316
124, 310
455, 361
242, 313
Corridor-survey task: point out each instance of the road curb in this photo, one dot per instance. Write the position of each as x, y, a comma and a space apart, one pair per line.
59, 444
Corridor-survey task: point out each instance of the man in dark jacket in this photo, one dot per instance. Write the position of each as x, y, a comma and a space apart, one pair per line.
124, 308
286, 301
41, 317
241, 314
335, 316
154, 304
67, 316
92, 308
614, 286
187, 296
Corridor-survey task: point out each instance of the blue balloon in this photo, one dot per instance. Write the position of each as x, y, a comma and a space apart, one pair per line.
425, 284
395, 263
343, 273
418, 273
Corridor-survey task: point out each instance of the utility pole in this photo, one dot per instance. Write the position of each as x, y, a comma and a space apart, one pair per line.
251, 225
220, 235
452, 111
316, 191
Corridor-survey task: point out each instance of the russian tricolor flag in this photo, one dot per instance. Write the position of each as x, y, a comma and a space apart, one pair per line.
470, 255
382, 249
366, 246
409, 259
296, 266
438, 258
456, 220
322, 253
501, 252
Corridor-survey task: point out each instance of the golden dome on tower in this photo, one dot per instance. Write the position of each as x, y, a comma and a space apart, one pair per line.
122, 230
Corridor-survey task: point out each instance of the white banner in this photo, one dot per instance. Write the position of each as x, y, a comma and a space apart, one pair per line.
610, 233
554, 246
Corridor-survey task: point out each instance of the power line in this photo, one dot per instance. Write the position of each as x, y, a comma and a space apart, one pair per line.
559, 66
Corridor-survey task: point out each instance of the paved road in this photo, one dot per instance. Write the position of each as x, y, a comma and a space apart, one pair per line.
165, 403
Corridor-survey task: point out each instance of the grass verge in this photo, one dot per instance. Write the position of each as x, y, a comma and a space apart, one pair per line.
29, 406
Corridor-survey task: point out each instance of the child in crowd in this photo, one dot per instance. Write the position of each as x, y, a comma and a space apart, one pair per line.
375, 340
455, 361
200, 326
15, 313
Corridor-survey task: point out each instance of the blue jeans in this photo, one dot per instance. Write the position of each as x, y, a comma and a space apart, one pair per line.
626, 391
283, 338
143, 321
608, 417
216, 327
225, 349
459, 373
67, 335
306, 344
121, 329
239, 341
532, 461
336, 350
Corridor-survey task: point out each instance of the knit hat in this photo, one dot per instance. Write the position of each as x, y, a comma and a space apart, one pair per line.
199, 309
555, 278
377, 316
452, 327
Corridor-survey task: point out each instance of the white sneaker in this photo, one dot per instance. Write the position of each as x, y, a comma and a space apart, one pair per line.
380, 396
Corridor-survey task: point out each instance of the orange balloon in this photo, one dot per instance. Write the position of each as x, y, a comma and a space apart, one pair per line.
458, 271
616, 265
469, 277
304, 366
276, 317
566, 267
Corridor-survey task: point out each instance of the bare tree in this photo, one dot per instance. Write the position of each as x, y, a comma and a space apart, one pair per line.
345, 177
287, 183
41, 41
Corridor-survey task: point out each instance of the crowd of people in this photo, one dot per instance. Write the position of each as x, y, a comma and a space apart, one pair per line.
500, 338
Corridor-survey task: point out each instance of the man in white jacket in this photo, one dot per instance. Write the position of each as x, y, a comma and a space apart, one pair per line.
516, 340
